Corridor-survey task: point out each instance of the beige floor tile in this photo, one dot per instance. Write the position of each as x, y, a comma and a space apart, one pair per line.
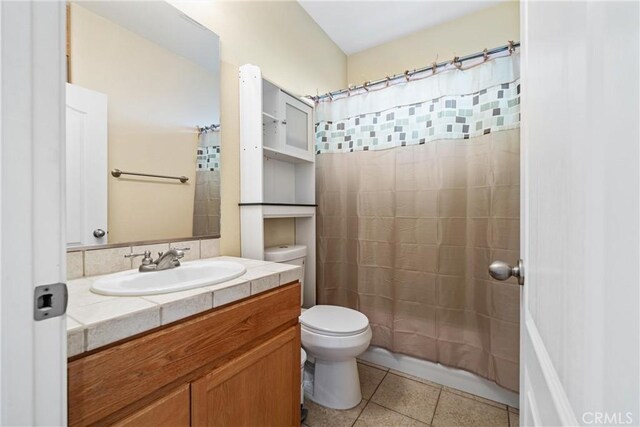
320, 416
378, 416
420, 380
370, 379
408, 397
459, 411
478, 398
364, 362
514, 419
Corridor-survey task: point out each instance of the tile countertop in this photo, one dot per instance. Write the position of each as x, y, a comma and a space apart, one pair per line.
96, 320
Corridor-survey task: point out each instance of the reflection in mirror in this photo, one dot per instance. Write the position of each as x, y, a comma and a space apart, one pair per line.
143, 140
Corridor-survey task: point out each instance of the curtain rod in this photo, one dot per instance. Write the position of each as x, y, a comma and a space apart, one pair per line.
457, 61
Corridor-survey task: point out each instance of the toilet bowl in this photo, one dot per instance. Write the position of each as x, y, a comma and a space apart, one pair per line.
334, 336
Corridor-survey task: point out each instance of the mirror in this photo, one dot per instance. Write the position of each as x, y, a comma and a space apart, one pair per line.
143, 140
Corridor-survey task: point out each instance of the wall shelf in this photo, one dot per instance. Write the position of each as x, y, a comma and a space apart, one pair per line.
277, 168
268, 118
285, 157
312, 205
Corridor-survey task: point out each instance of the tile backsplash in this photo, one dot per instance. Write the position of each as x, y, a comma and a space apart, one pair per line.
93, 262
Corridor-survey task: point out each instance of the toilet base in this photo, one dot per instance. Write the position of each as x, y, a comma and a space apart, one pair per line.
336, 385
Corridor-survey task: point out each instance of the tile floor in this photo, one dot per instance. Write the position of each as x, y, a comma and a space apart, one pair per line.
392, 398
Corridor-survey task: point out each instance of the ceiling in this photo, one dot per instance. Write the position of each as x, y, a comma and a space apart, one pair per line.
358, 25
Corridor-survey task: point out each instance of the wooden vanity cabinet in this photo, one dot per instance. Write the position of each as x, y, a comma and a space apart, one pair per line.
171, 410
238, 365
253, 390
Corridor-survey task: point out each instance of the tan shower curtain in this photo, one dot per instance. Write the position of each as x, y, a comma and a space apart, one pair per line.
405, 235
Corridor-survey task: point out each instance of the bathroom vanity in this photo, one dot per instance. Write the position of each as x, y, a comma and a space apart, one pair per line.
234, 364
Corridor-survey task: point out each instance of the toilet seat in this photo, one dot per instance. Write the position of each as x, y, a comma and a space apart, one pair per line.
334, 321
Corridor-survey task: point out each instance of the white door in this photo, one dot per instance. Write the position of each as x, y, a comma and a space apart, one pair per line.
580, 139
33, 387
86, 167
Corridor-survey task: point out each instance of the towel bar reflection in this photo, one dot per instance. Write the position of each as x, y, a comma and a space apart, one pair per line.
117, 173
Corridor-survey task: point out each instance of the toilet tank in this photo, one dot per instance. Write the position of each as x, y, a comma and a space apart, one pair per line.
288, 254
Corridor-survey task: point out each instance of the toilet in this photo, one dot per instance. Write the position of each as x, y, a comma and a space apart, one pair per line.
333, 337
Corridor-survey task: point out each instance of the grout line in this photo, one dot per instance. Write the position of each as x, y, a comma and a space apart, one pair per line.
370, 397
379, 384
393, 410
476, 398
400, 413
435, 408
373, 365
430, 384
359, 414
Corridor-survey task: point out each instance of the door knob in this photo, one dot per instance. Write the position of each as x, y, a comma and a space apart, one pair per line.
98, 233
500, 270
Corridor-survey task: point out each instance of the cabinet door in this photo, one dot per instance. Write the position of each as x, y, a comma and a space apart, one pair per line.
298, 124
259, 388
170, 411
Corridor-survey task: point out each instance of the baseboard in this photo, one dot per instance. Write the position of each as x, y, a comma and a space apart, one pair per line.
450, 377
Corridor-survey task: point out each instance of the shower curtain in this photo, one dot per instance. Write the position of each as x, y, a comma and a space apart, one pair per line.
418, 191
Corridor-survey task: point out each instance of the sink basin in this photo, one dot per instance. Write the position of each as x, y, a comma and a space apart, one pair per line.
189, 275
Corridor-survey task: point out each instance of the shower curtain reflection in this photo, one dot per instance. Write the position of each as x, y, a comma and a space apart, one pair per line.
206, 204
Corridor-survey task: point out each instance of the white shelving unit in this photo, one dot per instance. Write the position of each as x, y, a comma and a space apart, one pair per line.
277, 168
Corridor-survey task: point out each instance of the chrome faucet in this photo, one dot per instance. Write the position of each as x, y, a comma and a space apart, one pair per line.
165, 261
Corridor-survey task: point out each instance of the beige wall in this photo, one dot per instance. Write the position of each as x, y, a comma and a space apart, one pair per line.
471, 33
292, 51
296, 54
279, 231
155, 100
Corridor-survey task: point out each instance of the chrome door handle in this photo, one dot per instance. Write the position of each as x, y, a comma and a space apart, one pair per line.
500, 270
98, 233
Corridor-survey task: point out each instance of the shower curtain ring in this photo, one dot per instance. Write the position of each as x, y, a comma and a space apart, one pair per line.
456, 62
364, 86
434, 67
387, 82
406, 74
485, 54
511, 47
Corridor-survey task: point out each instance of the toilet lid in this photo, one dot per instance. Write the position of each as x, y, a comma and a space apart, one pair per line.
334, 320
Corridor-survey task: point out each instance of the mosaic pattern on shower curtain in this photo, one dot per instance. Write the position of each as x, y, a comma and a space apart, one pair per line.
208, 158
450, 117
405, 235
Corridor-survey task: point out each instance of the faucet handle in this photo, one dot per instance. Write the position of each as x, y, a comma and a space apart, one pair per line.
146, 254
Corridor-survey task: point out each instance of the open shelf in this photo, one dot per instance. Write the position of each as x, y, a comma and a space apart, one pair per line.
268, 118
313, 205
285, 157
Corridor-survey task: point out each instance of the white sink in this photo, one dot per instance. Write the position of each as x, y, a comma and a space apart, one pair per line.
189, 275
